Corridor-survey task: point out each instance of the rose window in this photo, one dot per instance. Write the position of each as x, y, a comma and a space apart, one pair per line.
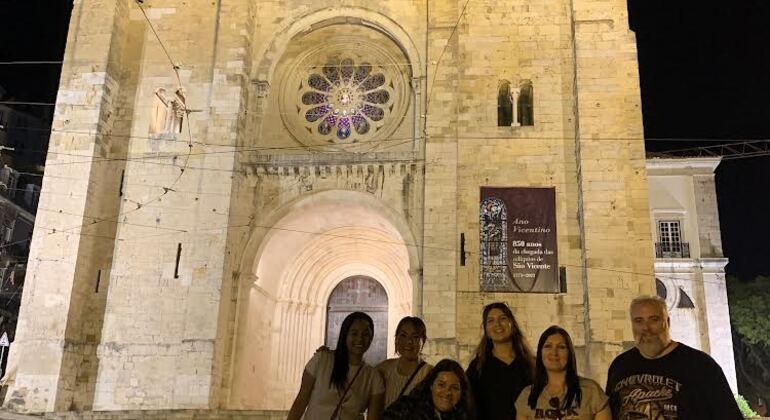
344, 101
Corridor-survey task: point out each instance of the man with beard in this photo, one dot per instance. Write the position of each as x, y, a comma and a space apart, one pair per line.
661, 379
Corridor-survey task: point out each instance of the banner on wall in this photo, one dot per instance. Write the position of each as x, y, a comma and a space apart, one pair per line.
517, 240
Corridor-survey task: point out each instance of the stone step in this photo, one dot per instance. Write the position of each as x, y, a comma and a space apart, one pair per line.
5, 415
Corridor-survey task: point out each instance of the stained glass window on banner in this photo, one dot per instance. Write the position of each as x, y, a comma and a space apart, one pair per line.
518, 241
493, 222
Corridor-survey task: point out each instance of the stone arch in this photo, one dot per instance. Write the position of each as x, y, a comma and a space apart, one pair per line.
272, 51
288, 273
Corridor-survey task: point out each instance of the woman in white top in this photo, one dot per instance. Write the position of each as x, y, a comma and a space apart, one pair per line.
338, 384
403, 373
558, 392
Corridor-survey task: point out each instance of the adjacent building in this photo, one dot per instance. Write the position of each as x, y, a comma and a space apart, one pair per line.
23, 140
689, 263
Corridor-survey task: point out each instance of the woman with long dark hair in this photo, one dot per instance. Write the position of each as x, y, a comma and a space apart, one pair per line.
444, 394
403, 373
502, 367
558, 392
338, 384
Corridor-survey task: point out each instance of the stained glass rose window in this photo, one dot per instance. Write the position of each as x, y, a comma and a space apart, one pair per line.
345, 101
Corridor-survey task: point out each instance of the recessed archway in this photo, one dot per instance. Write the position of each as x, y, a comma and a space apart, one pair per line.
313, 244
364, 294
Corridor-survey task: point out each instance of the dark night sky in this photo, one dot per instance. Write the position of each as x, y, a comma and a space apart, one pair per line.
705, 75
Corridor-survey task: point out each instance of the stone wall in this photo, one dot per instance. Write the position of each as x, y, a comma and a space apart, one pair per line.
586, 142
709, 233
169, 288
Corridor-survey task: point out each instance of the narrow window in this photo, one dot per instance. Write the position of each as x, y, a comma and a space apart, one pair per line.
178, 256
159, 112
168, 112
122, 179
525, 107
504, 104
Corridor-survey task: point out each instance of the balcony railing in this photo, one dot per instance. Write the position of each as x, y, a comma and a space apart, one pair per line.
672, 250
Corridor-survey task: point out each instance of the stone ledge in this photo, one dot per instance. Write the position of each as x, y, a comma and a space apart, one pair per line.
151, 415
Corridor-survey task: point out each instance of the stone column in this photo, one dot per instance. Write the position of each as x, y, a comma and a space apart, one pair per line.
614, 205
717, 314
417, 93
169, 304
416, 276
440, 208
62, 306
515, 94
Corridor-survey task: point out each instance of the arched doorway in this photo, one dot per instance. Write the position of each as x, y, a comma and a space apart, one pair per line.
317, 243
364, 294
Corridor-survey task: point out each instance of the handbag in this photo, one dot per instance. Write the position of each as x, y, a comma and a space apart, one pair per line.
344, 393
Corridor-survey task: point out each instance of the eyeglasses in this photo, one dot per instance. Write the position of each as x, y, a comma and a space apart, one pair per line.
554, 403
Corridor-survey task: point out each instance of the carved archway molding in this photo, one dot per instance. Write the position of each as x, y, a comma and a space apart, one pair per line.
317, 243
384, 214
272, 51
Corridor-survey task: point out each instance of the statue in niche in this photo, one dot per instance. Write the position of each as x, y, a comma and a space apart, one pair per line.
306, 181
372, 180
168, 112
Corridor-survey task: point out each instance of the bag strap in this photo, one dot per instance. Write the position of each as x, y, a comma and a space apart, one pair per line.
409, 381
342, 398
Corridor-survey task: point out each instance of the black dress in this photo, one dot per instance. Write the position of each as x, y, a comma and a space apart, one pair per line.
497, 386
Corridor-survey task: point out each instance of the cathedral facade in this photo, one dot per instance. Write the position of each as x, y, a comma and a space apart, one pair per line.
226, 178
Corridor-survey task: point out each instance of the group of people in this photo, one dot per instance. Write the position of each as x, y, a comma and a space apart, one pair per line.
658, 379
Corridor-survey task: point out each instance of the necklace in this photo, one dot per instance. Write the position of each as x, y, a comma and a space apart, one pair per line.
663, 350
666, 347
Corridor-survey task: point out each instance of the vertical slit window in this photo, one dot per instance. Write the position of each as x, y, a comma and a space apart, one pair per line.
525, 109
504, 104
178, 256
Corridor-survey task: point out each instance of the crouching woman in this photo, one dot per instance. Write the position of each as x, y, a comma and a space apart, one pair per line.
443, 395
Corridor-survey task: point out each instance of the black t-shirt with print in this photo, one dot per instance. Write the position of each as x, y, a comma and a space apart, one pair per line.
497, 386
686, 384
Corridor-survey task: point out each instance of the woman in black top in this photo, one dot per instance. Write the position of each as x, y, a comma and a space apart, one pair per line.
442, 395
503, 365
